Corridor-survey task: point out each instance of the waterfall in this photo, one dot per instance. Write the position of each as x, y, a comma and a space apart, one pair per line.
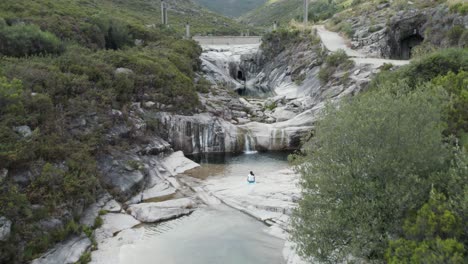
248, 140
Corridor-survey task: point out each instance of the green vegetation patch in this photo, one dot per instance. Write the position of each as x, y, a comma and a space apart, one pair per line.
385, 177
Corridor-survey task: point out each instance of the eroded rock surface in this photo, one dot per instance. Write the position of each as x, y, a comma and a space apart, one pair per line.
155, 212
67, 252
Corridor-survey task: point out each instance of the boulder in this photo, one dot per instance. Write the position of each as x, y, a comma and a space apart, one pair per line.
90, 213
155, 212
282, 114
50, 224
158, 191
177, 163
67, 252
24, 131
156, 146
112, 206
116, 176
5, 228
114, 223
149, 104
123, 71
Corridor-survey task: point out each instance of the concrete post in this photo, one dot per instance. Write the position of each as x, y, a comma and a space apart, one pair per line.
187, 31
275, 26
248, 32
306, 12
163, 12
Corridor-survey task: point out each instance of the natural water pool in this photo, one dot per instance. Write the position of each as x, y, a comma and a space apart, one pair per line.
214, 234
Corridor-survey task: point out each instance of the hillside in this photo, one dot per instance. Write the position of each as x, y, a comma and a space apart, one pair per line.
381, 28
140, 14
274, 10
231, 8
73, 75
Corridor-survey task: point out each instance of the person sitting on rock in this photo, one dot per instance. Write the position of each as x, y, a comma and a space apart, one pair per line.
251, 177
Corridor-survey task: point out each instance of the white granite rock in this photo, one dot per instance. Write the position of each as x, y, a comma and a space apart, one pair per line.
112, 206
67, 252
109, 247
24, 131
155, 212
158, 191
114, 223
90, 213
5, 228
177, 163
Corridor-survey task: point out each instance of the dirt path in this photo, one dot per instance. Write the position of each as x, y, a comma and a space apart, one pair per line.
333, 42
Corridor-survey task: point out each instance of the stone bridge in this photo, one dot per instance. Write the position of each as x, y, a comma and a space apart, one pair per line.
227, 40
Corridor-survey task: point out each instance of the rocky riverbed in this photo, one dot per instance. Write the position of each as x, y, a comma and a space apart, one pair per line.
149, 182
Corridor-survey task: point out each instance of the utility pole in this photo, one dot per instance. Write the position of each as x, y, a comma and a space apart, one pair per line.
187, 30
163, 12
306, 12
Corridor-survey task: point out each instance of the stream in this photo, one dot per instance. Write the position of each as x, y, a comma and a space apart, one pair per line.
218, 233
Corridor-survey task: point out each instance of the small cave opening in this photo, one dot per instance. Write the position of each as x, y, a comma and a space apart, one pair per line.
240, 75
242, 91
407, 45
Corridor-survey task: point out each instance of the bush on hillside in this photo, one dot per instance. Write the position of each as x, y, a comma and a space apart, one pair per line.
322, 9
457, 87
431, 236
366, 169
116, 34
25, 40
460, 7
338, 60
426, 68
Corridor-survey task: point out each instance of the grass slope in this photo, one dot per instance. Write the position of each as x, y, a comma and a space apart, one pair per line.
231, 8
274, 10
138, 13
58, 76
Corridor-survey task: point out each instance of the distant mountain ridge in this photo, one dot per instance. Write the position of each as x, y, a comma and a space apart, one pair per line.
231, 8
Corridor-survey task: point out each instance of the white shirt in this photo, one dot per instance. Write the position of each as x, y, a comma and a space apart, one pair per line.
251, 178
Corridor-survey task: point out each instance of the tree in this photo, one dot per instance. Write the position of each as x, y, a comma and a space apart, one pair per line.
366, 168
430, 237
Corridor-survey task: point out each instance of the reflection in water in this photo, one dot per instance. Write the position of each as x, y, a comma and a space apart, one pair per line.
209, 235
229, 165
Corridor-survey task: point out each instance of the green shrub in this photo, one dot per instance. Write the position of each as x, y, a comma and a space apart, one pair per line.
455, 33
322, 9
102, 212
347, 29
85, 258
333, 62
457, 86
203, 85
98, 222
461, 8
426, 68
337, 58
366, 169
325, 74
11, 96
386, 67
430, 237
116, 34
25, 40
423, 50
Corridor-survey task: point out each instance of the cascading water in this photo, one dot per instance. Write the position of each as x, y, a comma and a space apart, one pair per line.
248, 140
